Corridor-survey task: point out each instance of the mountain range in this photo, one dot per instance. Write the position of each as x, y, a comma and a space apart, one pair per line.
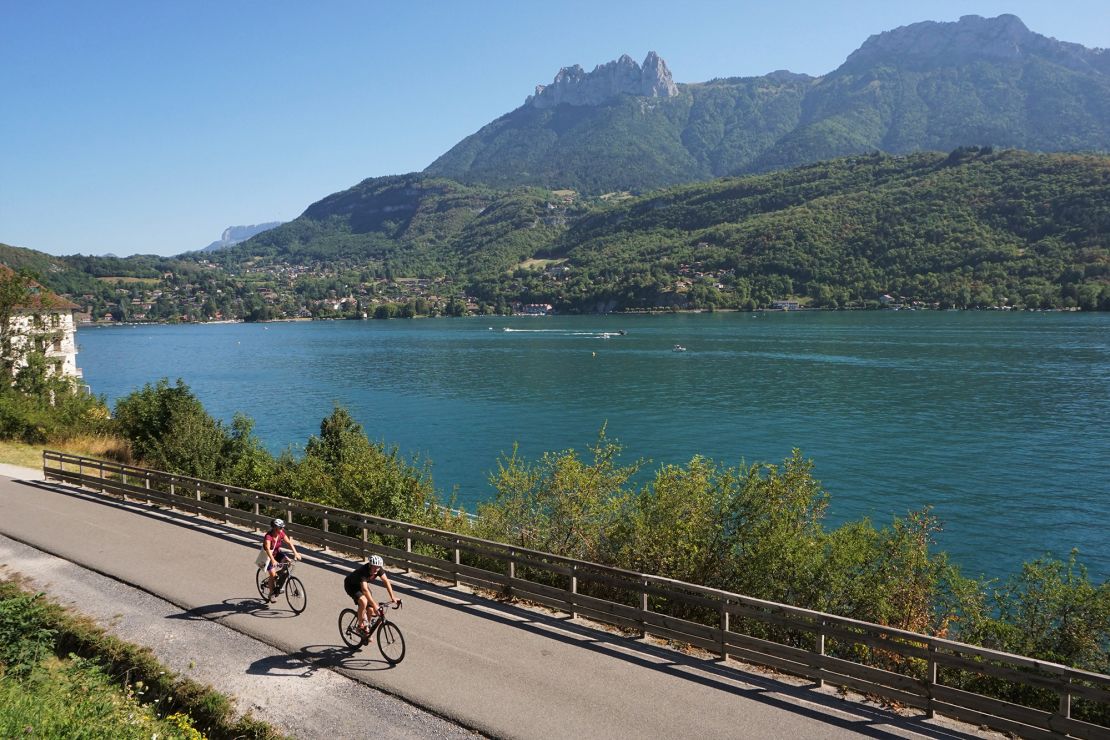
926, 86
920, 166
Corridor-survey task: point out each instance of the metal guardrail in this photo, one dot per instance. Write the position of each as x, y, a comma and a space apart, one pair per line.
822, 647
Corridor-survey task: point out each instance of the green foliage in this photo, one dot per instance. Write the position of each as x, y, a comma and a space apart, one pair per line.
561, 504
169, 429
76, 699
24, 639
343, 468
34, 419
1050, 610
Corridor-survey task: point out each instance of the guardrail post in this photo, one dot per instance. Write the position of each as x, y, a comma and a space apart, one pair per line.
408, 549
724, 630
173, 488
227, 505
457, 562
643, 608
819, 648
326, 530
101, 466
512, 571
198, 498
573, 590
146, 484
1065, 701
930, 682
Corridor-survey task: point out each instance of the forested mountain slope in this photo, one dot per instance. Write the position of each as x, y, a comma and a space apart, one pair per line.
972, 228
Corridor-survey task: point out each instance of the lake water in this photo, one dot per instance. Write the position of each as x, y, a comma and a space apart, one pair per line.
999, 421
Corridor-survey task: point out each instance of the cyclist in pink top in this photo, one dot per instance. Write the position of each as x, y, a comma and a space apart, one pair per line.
272, 544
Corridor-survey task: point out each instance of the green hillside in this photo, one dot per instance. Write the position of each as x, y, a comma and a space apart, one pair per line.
972, 228
410, 225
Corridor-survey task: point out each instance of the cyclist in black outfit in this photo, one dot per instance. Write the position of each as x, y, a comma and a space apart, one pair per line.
357, 586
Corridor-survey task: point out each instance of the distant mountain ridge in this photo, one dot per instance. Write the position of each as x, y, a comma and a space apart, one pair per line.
235, 234
926, 86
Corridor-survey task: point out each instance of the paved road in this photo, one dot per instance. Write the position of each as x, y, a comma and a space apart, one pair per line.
502, 670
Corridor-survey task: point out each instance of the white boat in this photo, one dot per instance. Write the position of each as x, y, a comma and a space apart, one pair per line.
678, 348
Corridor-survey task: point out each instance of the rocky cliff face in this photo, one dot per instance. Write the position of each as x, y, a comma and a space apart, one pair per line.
973, 38
575, 86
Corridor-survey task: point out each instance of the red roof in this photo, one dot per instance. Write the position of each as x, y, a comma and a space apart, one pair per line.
40, 298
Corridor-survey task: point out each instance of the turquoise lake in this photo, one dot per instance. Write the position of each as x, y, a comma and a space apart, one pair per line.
999, 421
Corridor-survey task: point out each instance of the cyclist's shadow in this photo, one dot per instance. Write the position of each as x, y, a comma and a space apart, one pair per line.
250, 605
312, 658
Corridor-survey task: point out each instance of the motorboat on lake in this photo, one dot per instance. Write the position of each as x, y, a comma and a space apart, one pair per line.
678, 348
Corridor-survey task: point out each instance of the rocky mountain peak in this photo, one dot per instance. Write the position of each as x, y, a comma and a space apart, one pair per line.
972, 38
574, 86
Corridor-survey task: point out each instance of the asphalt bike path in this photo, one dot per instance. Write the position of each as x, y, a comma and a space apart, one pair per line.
499, 669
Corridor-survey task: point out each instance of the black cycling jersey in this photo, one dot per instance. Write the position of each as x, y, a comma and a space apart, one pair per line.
365, 572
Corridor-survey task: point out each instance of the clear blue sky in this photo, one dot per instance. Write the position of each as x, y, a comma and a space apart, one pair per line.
149, 127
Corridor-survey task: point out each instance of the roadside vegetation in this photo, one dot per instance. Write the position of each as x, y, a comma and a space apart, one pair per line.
62, 676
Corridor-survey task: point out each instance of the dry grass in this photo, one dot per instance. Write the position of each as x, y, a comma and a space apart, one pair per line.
92, 445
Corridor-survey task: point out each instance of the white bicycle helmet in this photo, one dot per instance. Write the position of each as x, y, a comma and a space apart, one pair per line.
376, 561
277, 524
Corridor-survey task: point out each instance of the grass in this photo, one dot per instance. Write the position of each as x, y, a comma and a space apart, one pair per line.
30, 456
121, 279
91, 684
74, 698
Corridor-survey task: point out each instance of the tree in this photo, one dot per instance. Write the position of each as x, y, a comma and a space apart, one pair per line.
14, 291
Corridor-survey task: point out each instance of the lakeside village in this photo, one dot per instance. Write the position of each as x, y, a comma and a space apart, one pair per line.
300, 293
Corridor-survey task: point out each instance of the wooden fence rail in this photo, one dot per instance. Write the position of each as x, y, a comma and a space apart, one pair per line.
914, 669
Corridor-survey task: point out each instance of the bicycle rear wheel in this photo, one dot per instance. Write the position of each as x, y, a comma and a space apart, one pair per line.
391, 643
348, 629
263, 580
295, 594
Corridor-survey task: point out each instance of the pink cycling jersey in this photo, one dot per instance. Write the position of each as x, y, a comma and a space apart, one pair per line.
275, 541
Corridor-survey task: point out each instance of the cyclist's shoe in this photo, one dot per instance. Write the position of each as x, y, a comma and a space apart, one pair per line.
277, 592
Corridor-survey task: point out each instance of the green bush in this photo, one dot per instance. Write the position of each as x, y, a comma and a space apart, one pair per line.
24, 637
343, 468
169, 430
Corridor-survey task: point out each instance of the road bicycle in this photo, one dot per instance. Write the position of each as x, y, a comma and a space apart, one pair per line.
286, 582
391, 642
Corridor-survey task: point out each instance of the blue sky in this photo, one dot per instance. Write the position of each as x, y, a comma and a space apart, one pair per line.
149, 127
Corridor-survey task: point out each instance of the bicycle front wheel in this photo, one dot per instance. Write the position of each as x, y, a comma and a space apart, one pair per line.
263, 580
391, 643
348, 628
295, 594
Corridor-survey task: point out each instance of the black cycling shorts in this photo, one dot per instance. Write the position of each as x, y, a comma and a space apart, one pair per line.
353, 590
